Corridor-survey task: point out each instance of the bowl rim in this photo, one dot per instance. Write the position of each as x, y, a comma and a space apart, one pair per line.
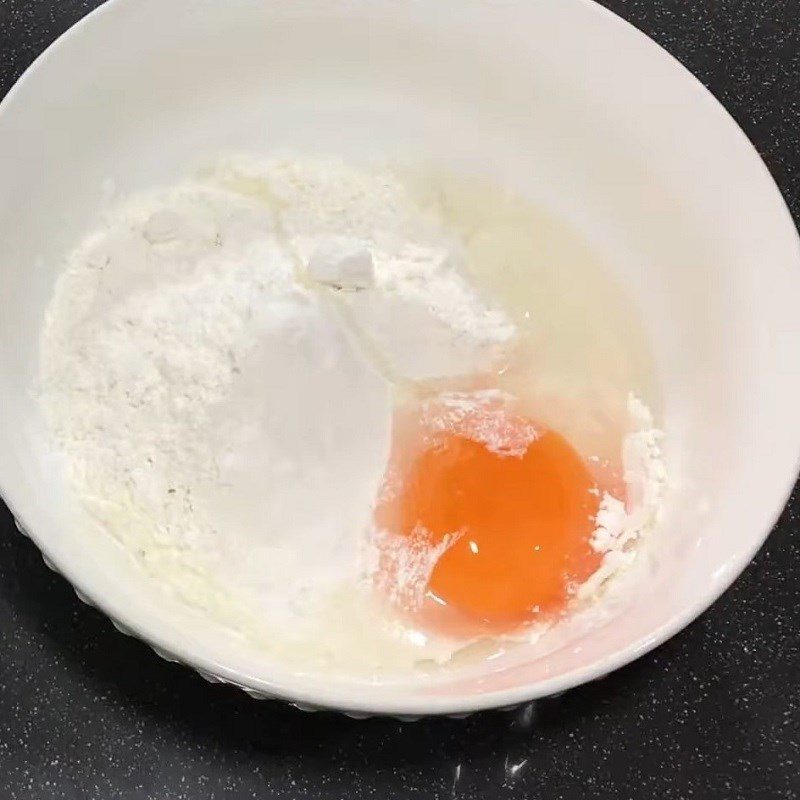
347, 699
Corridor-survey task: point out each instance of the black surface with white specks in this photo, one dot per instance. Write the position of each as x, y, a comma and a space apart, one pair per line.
715, 713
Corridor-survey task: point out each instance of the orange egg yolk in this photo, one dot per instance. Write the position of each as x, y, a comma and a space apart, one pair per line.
522, 524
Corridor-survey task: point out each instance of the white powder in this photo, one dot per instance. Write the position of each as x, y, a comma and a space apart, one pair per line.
418, 312
342, 264
221, 421
486, 417
216, 416
207, 403
405, 564
620, 526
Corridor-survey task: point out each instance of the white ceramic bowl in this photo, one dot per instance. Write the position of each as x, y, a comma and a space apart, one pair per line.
558, 98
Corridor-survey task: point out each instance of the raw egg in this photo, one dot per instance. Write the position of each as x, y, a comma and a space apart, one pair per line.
514, 499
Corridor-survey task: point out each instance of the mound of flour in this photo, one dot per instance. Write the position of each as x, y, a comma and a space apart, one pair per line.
215, 414
227, 418
419, 317
206, 402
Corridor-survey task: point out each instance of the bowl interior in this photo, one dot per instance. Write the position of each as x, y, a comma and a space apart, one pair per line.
563, 102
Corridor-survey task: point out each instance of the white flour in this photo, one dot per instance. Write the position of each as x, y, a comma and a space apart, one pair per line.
194, 385
621, 526
485, 416
423, 319
216, 415
219, 419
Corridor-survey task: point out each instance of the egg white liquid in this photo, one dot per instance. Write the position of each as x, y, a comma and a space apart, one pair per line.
583, 346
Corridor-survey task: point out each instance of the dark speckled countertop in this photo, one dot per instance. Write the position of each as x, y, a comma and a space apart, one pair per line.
87, 714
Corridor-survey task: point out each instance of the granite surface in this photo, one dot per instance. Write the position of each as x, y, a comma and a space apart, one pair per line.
87, 714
